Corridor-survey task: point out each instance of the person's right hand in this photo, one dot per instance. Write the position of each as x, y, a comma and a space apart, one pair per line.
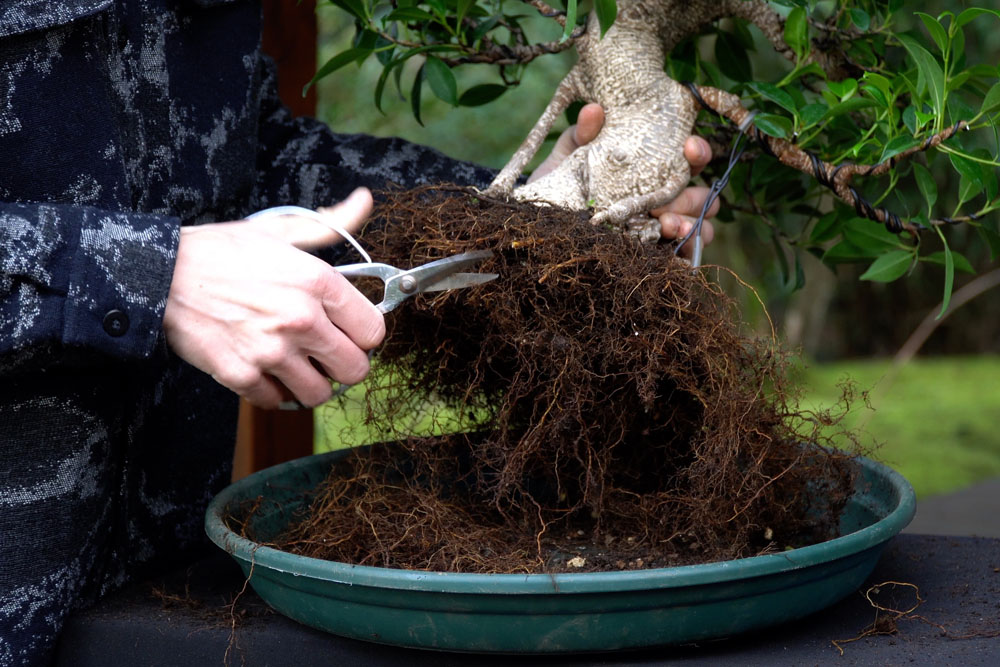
258, 314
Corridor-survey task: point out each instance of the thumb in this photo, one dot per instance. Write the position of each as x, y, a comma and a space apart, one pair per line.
589, 122
307, 232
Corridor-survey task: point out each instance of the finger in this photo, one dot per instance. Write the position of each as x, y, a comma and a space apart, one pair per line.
257, 388
698, 153
673, 226
351, 312
308, 232
309, 386
689, 202
352, 212
588, 125
337, 357
589, 122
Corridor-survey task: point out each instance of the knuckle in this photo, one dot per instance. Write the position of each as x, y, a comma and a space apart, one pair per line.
241, 380
270, 355
354, 370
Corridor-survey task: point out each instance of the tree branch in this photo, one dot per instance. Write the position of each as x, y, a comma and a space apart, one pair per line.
836, 177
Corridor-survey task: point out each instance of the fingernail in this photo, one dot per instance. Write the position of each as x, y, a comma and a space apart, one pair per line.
704, 152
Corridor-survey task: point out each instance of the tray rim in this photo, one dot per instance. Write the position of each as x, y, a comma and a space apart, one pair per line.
458, 583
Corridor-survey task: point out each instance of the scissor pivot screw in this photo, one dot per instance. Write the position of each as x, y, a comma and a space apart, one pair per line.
407, 284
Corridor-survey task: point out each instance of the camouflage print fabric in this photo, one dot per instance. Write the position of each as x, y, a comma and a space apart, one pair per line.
120, 121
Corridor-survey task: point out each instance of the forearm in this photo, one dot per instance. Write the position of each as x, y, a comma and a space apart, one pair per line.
81, 278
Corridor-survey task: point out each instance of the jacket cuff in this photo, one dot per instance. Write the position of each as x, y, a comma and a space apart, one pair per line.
118, 284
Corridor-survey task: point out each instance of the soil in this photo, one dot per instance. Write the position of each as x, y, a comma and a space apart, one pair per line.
605, 410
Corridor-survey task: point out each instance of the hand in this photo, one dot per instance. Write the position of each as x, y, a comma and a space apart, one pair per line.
249, 307
677, 217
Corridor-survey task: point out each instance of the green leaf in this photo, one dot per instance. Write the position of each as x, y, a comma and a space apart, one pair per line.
845, 252
992, 240
972, 13
779, 253
843, 89
418, 84
481, 94
967, 168
876, 95
869, 236
773, 125
732, 58
889, 266
992, 100
860, 18
796, 31
355, 8
463, 9
607, 12
930, 71
878, 81
897, 145
937, 31
409, 14
848, 106
958, 81
442, 80
570, 20
949, 274
968, 189
928, 188
812, 114
961, 262
777, 95
333, 64
800, 273
910, 120
825, 228
394, 66
482, 28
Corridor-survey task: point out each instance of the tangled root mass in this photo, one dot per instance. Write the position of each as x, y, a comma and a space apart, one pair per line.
612, 413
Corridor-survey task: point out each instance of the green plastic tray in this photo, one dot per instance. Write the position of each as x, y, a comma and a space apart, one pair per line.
541, 613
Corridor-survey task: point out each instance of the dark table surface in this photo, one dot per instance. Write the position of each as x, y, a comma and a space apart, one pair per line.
185, 619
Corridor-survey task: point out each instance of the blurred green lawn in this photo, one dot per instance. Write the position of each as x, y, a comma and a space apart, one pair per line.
937, 421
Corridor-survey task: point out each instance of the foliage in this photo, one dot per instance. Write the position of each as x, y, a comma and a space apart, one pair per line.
902, 75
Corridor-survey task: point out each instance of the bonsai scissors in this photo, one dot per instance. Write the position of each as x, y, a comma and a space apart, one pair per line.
436, 276
398, 284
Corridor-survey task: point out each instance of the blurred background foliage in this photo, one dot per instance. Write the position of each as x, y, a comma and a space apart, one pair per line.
771, 215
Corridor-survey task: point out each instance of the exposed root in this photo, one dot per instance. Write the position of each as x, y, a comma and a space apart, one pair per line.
887, 618
609, 406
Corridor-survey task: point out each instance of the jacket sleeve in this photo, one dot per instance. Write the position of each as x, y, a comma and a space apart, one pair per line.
76, 277
301, 161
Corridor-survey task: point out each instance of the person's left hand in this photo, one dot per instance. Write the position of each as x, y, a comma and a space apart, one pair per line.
676, 218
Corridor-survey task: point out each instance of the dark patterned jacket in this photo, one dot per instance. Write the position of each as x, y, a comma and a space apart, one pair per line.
119, 122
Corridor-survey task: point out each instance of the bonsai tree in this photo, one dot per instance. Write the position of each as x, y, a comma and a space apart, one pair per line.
603, 397
875, 104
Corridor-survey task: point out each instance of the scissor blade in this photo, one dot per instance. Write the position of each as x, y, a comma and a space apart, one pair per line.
431, 274
458, 281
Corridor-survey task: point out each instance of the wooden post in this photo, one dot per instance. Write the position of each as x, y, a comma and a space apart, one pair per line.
267, 437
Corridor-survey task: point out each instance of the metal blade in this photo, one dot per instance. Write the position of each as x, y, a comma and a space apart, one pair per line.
458, 281
433, 273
